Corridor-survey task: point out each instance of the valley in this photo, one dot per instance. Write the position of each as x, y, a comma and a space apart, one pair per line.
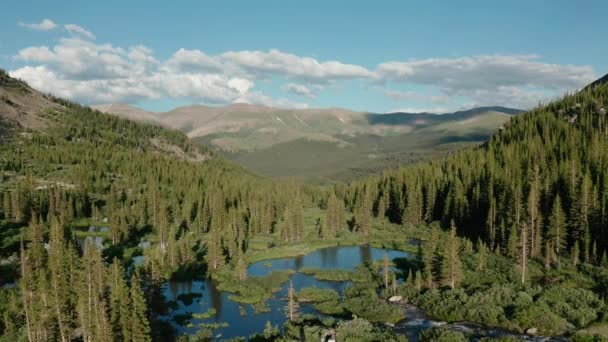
304, 171
323, 145
209, 255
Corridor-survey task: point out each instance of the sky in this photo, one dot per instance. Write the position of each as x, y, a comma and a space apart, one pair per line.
376, 56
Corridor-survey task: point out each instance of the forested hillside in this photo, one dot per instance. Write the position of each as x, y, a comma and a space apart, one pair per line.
323, 145
539, 187
84, 168
523, 244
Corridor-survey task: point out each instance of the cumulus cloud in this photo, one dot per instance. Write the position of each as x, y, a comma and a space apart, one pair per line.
193, 61
79, 68
44, 25
301, 90
85, 91
430, 110
98, 73
79, 31
78, 59
265, 100
263, 64
491, 78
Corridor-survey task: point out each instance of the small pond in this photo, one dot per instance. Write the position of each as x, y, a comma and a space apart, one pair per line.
242, 319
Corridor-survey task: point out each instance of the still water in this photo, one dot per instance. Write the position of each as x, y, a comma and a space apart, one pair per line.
242, 320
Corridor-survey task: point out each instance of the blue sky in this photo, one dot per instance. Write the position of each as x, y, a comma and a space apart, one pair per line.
376, 56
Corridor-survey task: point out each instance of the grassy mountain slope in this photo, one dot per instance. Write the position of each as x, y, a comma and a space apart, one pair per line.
324, 144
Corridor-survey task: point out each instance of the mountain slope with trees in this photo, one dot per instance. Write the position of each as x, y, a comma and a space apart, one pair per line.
512, 233
84, 168
323, 144
542, 181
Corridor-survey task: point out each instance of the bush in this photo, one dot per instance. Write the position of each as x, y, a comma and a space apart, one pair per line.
579, 306
332, 307
317, 295
373, 310
447, 305
540, 316
441, 335
329, 275
357, 329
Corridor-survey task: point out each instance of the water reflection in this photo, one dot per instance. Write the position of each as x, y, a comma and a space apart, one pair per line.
342, 257
366, 253
329, 257
216, 299
96, 241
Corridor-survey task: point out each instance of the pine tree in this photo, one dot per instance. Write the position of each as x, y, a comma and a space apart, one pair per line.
418, 281
60, 281
241, 267
139, 319
363, 214
576, 252
523, 249
556, 236
481, 255
451, 266
120, 303
386, 270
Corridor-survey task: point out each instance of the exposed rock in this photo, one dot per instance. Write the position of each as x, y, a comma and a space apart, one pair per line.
395, 299
532, 331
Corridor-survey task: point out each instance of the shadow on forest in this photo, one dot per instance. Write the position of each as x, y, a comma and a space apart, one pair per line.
407, 265
9, 238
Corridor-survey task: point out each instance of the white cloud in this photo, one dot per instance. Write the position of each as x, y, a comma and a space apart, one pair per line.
88, 91
44, 25
431, 110
79, 31
100, 73
480, 72
261, 99
300, 89
274, 62
81, 69
74, 58
193, 61
491, 79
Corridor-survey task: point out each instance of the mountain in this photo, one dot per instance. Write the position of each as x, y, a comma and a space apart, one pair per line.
21, 106
128, 112
597, 82
326, 144
25, 110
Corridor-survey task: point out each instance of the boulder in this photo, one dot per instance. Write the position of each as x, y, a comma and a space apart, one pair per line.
532, 331
395, 299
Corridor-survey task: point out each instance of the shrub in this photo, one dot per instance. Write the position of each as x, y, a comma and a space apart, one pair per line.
317, 295
441, 335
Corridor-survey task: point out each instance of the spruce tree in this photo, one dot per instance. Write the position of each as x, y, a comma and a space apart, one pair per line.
451, 271
139, 320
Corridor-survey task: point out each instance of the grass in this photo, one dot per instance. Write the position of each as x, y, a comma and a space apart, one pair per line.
329, 275
204, 315
316, 295
332, 152
384, 235
599, 329
252, 290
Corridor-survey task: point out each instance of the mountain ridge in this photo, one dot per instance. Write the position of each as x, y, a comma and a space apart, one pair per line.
289, 142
